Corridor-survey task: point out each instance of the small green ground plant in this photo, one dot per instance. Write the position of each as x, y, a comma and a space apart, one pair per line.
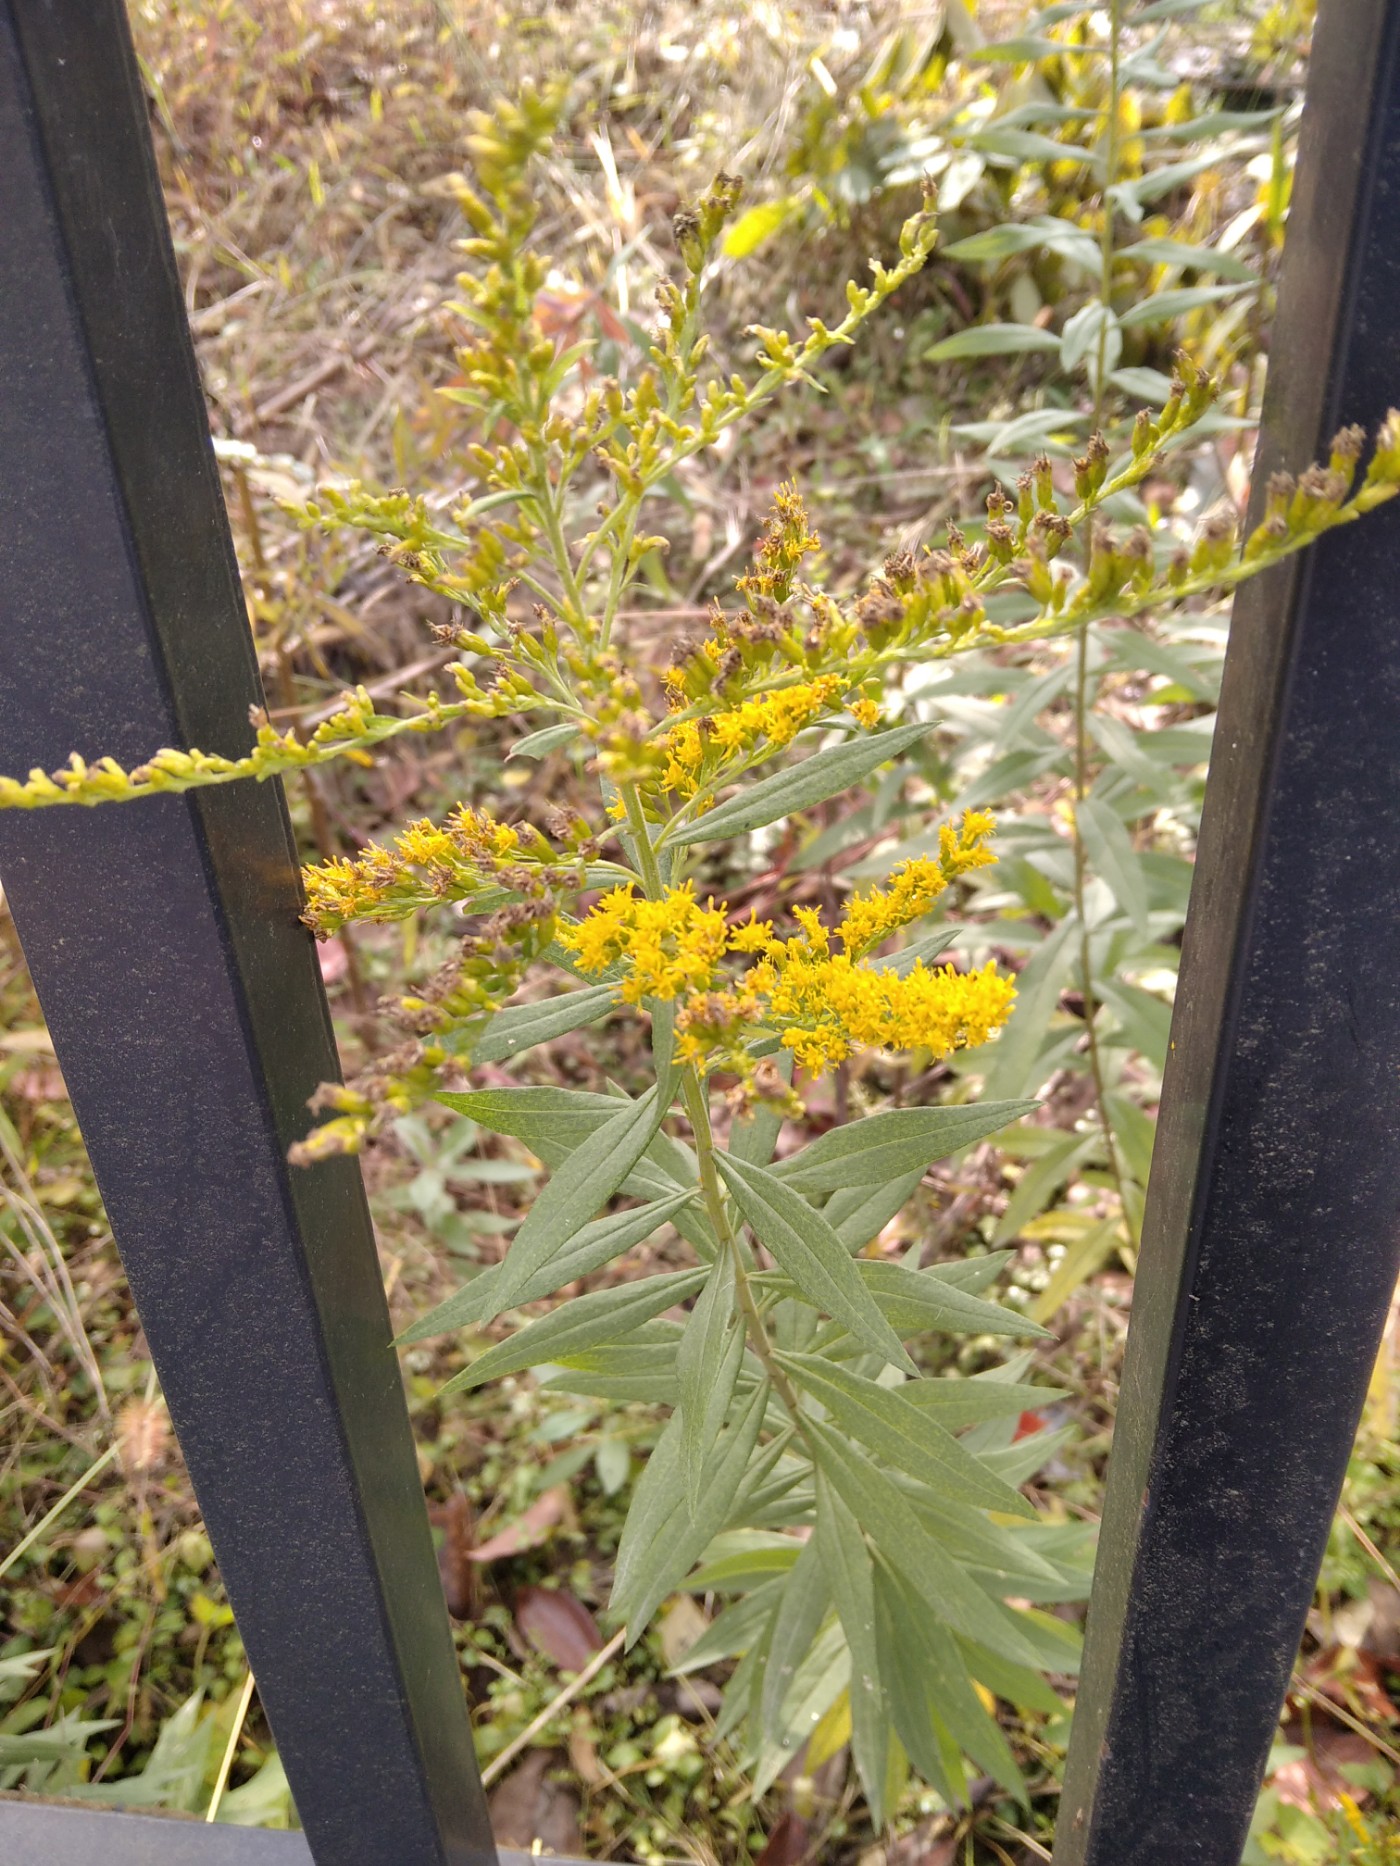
887, 1578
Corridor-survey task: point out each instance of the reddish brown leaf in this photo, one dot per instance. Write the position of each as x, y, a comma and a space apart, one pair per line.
557, 1625
547, 1511
535, 1802
459, 1583
788, 1842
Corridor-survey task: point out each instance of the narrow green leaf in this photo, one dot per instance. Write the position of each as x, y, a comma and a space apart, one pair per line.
1042, 1179
1162, 307
822, 1675
935, 1658
824, 774
548, 739
890, 1520
1013, 1058
551, 1122
927, 1740
811, 1253
1091, 1249
1016, 1684
733, 1631
847, 1566
859, 1213
596, 1244
993, 340
707, 1366
904, 1435
520, 1026
1114, 860
653, 1569
954, 1403
917, 952
601, 1315
884, 1146
590, 1176
973, 1274
1163, 252
805, 1599
735, 1562
928, 1301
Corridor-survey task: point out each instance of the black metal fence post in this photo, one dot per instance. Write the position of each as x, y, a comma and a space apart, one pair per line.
1272, 1236
181, 992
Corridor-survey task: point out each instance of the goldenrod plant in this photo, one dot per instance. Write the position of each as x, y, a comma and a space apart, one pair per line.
888, 1577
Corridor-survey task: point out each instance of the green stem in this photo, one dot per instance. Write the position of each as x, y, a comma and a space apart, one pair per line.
1086, 963
698, 1114
1081, 646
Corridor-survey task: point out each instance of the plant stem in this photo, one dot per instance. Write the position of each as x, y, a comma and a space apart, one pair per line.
698, 1114
240, 1717
1086, 965
1081, 646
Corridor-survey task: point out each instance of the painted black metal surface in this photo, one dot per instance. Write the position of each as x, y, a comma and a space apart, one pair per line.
37, 1833
180, 990
1272, 1236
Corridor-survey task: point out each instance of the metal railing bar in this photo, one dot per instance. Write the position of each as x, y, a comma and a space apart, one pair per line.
180, 990
45, 1833
1272, 1236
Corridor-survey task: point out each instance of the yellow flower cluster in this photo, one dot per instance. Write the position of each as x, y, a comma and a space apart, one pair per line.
670, 947
916, 884
830, 1004
774, 718
428, 863
824, 1005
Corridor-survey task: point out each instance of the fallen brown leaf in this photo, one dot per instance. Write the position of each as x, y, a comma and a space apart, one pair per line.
529, 1530
788, 1842
527, 1806
558, 1625
459, 1582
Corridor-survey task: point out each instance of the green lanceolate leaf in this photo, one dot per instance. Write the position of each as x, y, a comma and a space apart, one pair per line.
810, 1252
663, 1540
733, 1631
849, 1573
955, 1403
882, 1146
548, 739
904, 1435
1012, 1062
824, 774
551, 1122
602, 1315
913, 1301
805, 1599
891, 1522
859, 1213
1114, 859
596, 1244
992, 340
589, 1177
708, 1363
917, 952
934, 1669
520, 1026
741, 1559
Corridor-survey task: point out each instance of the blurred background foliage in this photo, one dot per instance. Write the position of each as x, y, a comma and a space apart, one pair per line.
1112, 186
